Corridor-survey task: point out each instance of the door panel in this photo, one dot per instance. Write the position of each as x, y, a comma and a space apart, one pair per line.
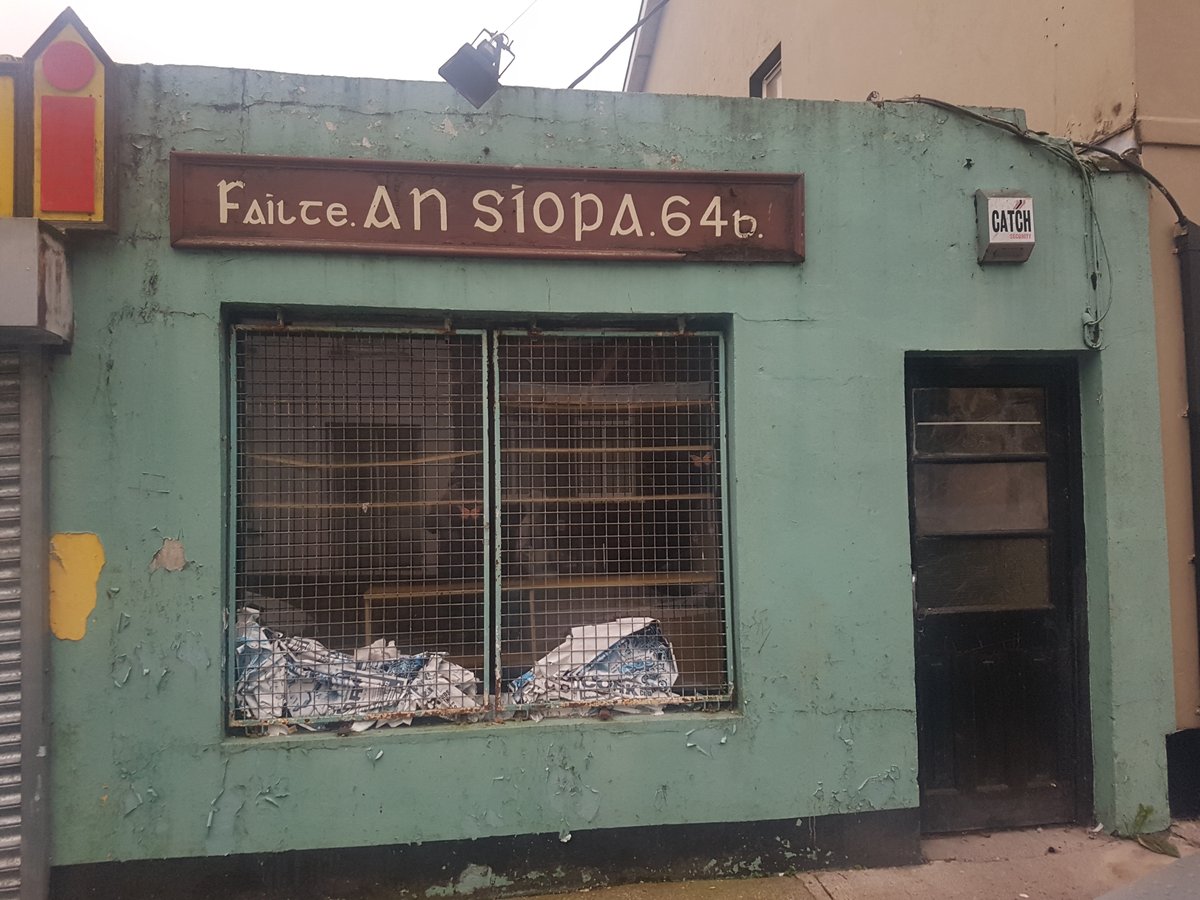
995, 573
999, 674
961, 498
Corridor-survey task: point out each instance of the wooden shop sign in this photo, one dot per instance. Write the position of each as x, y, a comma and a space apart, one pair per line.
367, 206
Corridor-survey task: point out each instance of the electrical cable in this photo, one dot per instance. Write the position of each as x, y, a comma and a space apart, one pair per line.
1180, 217
1068, 151
1044, 141
1058, 148
532, 4
609, 52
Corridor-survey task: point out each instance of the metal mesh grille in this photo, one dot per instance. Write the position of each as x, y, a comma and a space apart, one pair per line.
364, 510
610, 497
360, 531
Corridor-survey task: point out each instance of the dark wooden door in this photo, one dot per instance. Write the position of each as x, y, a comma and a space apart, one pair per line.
993, 462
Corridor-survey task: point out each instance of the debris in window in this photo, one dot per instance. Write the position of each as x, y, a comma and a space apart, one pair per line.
300, 678
626, 659
280, 615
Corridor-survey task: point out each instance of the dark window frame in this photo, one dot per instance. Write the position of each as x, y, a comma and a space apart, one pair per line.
760, 75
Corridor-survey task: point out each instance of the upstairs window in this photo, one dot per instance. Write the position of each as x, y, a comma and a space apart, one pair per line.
477, 523
767, 80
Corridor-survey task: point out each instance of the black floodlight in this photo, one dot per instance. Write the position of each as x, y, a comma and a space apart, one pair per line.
475, 71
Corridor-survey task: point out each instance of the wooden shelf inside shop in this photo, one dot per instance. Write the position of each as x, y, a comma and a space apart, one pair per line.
585, 500
367, 506
297, 463
567, 407
380, 592
606, 498
579, 451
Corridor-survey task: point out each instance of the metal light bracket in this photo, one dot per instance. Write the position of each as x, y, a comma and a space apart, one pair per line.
474, 71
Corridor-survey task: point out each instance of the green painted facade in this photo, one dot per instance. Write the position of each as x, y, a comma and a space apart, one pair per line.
142, 765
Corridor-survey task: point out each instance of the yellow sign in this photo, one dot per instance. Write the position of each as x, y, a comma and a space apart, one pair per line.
68, 131
53, 116
8, 143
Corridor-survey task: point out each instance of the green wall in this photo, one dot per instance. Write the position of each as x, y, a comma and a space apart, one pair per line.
141, 764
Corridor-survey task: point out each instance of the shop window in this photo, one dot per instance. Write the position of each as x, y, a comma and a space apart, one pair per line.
476, 523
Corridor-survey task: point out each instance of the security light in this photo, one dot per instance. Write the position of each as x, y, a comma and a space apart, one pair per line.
474, 71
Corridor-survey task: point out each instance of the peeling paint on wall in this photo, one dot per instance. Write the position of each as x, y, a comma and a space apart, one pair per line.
169, 556
707, 740
75, 564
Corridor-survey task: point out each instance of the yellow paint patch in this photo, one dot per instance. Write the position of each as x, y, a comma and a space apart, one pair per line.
8, 143
75, 564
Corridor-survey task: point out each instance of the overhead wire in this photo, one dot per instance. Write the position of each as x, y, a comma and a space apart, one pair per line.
1180, 217
609, 52
531, 5
1069, 152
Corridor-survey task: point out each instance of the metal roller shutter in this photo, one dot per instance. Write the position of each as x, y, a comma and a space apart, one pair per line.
10, 625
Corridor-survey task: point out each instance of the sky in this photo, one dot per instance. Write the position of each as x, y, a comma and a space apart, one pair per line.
554, 40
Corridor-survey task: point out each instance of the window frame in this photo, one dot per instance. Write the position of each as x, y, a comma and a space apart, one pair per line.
769, 68
1055, 378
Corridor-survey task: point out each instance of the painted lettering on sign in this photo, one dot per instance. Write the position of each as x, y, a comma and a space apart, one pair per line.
1015, 224
1005, 224
368, 206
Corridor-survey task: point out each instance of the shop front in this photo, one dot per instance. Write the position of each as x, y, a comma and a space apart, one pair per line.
591, 487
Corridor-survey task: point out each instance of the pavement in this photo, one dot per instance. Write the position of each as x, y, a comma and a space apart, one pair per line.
1067, 863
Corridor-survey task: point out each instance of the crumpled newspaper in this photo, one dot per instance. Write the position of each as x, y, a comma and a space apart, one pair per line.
280, 677
625, 659
279, 615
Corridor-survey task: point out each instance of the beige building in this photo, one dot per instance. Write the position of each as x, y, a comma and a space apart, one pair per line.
1112, 71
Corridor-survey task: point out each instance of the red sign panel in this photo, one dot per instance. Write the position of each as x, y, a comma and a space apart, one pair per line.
68, 149
368, 206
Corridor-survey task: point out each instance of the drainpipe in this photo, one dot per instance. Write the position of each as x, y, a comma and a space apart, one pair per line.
1187, 247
